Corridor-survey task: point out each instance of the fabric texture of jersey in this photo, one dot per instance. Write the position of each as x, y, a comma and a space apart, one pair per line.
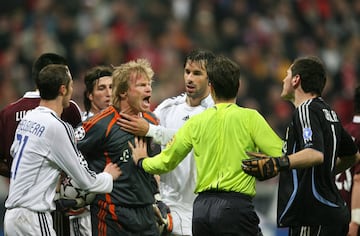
43, 146
177, 187
102, 141
11, 115
344, 180
314, 125
219, 137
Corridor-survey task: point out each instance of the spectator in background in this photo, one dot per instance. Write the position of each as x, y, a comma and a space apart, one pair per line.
348, 182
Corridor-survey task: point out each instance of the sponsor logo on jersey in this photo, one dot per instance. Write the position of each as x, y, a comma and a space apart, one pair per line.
185, 118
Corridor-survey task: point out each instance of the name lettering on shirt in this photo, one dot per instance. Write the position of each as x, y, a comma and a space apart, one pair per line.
19, 115
330, 115
31, 127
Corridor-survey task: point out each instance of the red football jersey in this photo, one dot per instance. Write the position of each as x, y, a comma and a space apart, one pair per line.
14, 112
345, 179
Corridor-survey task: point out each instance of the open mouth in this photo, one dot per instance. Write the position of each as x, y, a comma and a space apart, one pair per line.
147, 100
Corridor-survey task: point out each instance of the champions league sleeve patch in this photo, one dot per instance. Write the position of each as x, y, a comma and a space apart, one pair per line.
79, 133
307, 134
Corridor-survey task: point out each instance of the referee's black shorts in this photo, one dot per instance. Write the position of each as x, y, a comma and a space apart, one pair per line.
224, 213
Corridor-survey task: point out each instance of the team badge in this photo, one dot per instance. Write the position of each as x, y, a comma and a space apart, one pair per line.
307, 133
79, 133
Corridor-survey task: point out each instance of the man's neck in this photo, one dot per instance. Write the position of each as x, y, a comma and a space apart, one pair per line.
54, 105
301, 99
127, 109
194, 102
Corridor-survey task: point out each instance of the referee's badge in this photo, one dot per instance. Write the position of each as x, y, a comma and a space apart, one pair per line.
307, 133
79, 133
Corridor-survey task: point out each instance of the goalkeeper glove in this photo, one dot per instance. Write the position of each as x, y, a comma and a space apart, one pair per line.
264, 167
70, 206
163, 217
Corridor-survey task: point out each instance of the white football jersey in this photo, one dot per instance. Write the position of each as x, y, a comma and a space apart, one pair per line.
177, 186
43, 146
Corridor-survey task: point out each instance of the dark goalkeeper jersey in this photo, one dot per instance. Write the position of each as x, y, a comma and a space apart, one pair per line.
309, 196
102, 141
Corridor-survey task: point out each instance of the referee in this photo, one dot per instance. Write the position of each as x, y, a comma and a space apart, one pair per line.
220, 137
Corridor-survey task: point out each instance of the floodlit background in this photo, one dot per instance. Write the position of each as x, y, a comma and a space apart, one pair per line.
262, 36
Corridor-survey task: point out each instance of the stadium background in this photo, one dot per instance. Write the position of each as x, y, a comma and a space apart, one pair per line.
262, 36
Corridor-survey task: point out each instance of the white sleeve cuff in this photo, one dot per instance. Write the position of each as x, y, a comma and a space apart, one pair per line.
355, 215
160, 134
152, 130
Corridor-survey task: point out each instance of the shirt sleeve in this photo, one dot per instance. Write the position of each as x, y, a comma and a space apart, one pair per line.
176, 150
71, 161
160, 134
88, 138
72, 114
347, 146
265, 137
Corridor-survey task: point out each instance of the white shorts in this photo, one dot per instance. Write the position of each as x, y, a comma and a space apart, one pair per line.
21, 221
81, 225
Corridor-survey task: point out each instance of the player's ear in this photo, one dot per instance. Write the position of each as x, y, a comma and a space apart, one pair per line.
295, 80
62, 90
90, 96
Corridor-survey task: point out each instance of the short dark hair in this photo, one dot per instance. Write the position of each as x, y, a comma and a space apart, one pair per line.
44, 60
312, 74
90, 79
199, 55
51, 77
224, 76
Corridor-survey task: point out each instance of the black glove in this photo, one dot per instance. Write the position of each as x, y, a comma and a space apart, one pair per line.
70, 206
264, 167
163, 218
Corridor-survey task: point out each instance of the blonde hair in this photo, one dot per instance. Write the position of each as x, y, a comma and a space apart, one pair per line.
121, 76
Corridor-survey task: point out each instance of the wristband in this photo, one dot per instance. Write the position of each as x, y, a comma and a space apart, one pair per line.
139, 164
355, 215
283, 163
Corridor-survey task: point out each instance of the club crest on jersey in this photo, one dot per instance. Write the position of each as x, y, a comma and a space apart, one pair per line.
79, 133
307, 133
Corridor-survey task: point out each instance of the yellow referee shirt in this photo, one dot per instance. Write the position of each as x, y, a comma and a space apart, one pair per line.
220, 137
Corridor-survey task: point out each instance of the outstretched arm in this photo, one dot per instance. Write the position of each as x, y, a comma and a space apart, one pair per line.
265, 167
140, 127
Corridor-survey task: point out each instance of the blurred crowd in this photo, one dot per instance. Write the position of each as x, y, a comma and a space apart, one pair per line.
262, 36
